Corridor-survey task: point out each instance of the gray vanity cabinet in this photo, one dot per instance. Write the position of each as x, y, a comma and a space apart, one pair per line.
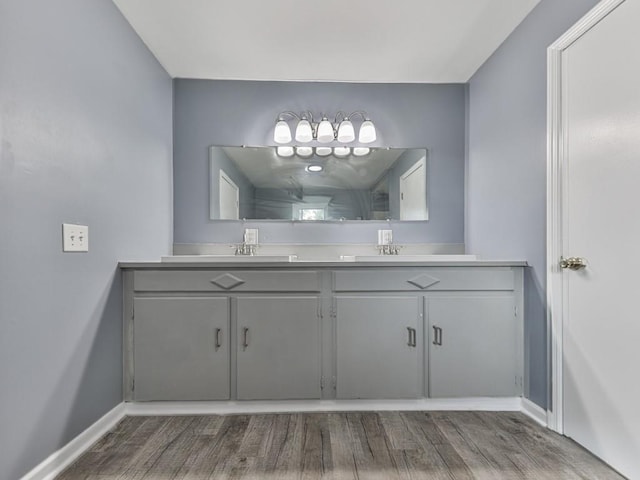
379, 346
472, 345
181, 348
278, 351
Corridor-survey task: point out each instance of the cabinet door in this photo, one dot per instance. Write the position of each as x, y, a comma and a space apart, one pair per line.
473, 353
378, 347
181, 348
278, 348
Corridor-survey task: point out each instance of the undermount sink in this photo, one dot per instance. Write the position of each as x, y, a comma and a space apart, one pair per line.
228, 258
408, 258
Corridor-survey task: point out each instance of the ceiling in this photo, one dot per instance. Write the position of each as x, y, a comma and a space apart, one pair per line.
401, 41
264, 169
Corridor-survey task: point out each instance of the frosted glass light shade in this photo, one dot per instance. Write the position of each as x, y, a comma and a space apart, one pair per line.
282, 132
285, 152
323, 151
304, 132
346, 133
367, 132
304, 151
341, 152
325, 131
361, 151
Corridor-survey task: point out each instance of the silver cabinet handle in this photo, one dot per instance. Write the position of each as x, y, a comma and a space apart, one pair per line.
245, 335
412, 337
437, 335
218, 344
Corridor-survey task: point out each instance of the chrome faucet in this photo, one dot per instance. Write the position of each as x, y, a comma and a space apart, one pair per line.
245, 249
389, 249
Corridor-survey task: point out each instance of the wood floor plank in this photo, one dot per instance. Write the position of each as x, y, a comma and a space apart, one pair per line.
397, 431
343, 461
341, 446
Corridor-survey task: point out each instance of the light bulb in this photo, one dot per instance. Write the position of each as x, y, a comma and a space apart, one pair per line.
367, 132
346, 133
341, 152
325, 131
285, 152
315, 168
361, 151
304, 151
282, 132
323, 151
304, 132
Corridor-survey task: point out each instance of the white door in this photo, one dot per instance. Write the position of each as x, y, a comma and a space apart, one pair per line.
601, 223
229, 198
413, 192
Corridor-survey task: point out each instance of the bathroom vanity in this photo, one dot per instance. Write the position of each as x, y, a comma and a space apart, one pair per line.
273, 330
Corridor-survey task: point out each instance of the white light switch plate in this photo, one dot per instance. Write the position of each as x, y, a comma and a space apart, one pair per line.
385, 237
75, 238
251, 236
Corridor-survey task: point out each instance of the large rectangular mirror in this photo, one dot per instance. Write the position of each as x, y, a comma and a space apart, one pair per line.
261, 183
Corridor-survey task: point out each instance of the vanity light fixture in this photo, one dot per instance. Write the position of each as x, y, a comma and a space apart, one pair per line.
323, 151
285, 151
304, 152
360, 151
324, 131
341, 152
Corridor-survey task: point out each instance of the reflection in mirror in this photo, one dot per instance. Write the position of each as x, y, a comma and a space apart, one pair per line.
268, 183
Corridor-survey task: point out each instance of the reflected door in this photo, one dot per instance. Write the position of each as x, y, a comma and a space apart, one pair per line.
413, 192
229, 198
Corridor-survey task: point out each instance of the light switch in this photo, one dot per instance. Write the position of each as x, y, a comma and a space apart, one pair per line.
75, 238
251, 236
385, 237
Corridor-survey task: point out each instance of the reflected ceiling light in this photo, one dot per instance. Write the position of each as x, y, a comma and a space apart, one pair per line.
361, 151
315, 168
341, 152
323, 151
304, 152
326, 130
285, 152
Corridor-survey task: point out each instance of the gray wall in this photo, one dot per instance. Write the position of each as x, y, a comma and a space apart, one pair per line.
85, 135
243, 113
506, 171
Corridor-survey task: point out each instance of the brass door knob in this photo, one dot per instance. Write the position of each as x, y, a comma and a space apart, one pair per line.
573, 263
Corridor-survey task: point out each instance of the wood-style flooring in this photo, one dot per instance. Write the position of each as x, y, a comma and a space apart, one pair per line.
368, 445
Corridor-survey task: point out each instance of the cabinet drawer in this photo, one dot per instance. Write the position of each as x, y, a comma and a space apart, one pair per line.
425, 279
226, 281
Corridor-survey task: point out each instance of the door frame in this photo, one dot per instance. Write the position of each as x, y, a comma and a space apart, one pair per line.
223, 177
422, 163
556, 202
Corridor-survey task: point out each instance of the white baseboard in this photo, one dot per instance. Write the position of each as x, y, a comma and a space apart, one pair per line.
534, 411
61, 459
58, 461
512, 404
